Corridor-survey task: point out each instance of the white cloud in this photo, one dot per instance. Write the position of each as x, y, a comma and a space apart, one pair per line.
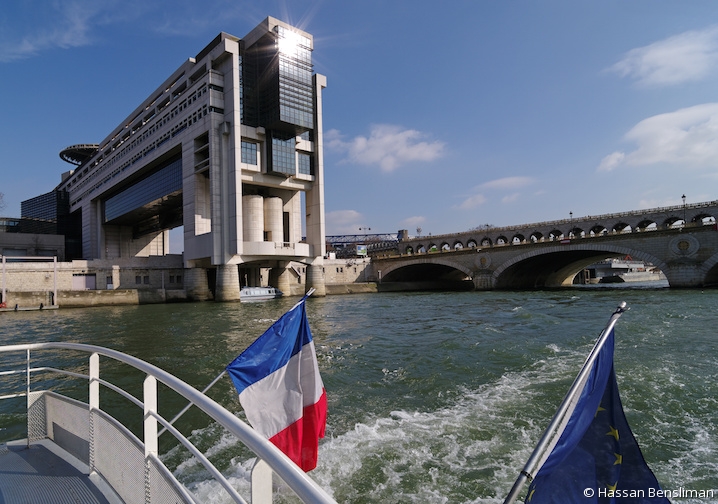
687, 138
611, 161
69, 27
473, 201
497, 185
413, 221
507, 183
343, 222
689, 56
387, 145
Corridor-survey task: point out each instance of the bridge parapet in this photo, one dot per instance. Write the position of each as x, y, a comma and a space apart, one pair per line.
696, 214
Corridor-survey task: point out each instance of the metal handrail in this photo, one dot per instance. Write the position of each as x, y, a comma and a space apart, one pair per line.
305, 488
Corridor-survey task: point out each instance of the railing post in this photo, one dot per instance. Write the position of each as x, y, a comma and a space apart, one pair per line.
261, 483
27, 391
94, 402
149, 400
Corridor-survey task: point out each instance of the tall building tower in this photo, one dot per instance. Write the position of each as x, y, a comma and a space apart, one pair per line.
229, 147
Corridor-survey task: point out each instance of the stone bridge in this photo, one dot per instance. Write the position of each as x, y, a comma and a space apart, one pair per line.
681, 241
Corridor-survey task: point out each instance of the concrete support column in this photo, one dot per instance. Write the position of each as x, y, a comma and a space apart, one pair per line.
684, 274
195, 284
227, 283
116, 277
285, 281
483, 281
281, 278
315, 278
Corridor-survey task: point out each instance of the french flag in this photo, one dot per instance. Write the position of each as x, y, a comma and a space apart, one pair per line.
280, 389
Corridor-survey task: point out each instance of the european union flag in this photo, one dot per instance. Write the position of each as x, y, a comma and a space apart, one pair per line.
596, 458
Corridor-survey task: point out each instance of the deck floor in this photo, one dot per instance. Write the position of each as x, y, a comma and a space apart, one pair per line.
36, 474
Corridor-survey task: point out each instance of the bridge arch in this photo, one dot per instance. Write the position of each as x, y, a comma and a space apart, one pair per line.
673, 221
598, 230
621, 227
486, 242
518, 239
711, 271
576, 232
556, 266
430, 268
646, 225
536, 237
458, 245
704, 219
555, 234
472, 243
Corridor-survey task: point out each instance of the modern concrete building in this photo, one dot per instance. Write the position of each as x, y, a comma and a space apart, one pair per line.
230, 148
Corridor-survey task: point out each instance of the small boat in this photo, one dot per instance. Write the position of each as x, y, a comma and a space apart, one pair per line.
259, 293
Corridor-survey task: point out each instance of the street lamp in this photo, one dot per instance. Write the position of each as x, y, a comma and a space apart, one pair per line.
684, 210
570, 231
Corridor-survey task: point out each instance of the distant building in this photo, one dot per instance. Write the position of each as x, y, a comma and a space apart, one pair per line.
49, 213
230, 148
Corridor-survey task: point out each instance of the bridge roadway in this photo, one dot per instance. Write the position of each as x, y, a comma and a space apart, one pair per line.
682, 241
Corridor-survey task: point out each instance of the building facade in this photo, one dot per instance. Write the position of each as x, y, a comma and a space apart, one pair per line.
230, 148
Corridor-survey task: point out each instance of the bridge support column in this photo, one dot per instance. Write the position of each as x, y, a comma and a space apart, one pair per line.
315, 277
483, 281
684, 275
227, 283
195, 284
281, 278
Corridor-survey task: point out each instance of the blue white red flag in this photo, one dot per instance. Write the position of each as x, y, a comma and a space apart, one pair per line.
596, 458
283, 396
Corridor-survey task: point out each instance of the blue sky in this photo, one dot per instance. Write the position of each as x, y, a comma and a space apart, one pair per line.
442, 117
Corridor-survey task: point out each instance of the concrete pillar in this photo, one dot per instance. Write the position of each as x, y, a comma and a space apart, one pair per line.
281, 278
483, 281
227, 283
315, 278
274, 220
253, 218
116, 278
195, 284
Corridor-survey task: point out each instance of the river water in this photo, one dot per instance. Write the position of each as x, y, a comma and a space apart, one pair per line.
433, 397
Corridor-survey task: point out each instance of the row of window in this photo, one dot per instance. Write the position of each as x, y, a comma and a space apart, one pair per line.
283, 157
196, 116
189, 120
160, 183
147, 133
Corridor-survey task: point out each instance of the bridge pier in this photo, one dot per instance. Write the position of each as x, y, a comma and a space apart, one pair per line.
196, 285
684, 275
483, 281
281, 278
315, 278
227, 283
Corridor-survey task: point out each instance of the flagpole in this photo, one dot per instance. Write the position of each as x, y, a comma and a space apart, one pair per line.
220, 375
189, 405
528, 471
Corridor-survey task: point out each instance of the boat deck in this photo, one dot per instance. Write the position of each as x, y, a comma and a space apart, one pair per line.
38, 474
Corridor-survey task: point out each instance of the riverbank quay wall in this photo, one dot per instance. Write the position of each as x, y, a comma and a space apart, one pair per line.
28, 282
